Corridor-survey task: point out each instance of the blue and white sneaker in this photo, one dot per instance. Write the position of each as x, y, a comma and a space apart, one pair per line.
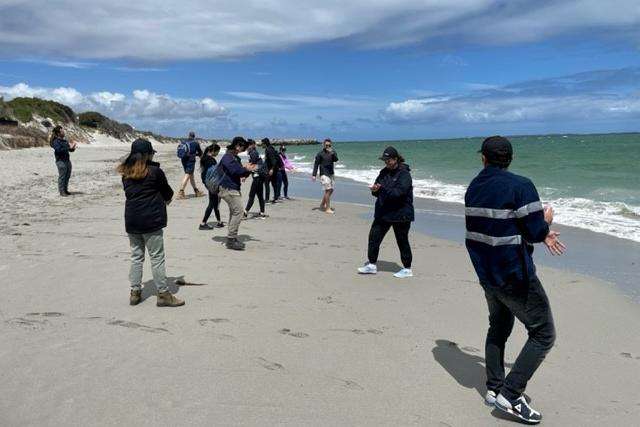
368, 269
519, 408
490, 398
405, 272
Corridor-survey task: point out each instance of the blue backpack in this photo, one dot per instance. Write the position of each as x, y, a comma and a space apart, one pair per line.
213, 178
184, 149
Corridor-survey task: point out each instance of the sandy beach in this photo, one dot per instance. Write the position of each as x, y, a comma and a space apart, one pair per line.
284, 333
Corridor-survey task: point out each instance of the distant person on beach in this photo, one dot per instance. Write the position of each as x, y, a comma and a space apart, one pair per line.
188, 150
61, 149
283, 179
145, 215
257, 180
274, 164
504, 218
207, 160
324, 162
393, 189
234, 171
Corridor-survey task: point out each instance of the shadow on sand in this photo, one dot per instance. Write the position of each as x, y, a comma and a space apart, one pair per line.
149, 288
241, 237
388, 266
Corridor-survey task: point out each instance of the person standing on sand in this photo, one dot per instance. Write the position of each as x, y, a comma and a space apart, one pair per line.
145, 215
324, 162
61, 149
230, 188
272, 159
193, 150
393, 189
504, 218
257, 181
283, 179
207, 160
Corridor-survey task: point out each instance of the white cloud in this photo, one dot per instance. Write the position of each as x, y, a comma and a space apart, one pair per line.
192, 29
594, 96
142, 105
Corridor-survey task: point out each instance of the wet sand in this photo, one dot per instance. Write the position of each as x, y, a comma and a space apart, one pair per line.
284, 333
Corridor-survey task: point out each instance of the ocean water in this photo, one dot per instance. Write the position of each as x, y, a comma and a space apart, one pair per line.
592, 181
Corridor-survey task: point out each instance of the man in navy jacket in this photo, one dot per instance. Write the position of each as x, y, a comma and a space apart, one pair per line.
504, 218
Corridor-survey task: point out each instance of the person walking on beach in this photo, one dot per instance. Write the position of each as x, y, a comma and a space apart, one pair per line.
393, 189
272, 159
257, 180
61, 149
188, 150
504, 218
229, 191
324, 162
208, 160
145, 215
283, 179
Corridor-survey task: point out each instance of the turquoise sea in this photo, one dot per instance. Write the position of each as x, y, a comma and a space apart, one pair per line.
592, 181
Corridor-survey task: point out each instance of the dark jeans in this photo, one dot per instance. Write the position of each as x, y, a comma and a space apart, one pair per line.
64, 174
379, 229
283, 183
214, 203
256, 190
273, 181
530, 305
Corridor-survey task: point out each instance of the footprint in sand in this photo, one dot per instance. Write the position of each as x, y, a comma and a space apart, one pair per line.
351, 385
286, 331
626, 355
216, 320
46, 314
327, 299
134, 325
31, 324
267, 364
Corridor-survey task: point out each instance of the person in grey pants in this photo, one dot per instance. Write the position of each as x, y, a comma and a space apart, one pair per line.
145, 215
61, 149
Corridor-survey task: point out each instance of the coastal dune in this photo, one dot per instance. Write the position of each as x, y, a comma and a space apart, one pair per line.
284, 333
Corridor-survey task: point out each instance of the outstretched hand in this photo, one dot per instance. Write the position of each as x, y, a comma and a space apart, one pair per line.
555, 246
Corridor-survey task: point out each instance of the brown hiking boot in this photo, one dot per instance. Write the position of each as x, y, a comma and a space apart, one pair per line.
181, 195
167, 299
199, 193
135, 297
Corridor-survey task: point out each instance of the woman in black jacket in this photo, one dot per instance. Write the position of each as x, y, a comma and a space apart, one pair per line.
61, 149
393, 189
145, 215
207, 160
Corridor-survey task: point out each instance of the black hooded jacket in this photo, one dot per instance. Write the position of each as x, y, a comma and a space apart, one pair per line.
145, 210
395, 196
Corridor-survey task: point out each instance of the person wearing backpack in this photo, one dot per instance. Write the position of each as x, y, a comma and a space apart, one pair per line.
229, 188
257, 180
208, 160
272, 159
187, 151
61, 149
147, 195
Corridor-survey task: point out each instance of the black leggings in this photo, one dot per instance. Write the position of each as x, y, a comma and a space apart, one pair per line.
256, 190
379, 229
214, 202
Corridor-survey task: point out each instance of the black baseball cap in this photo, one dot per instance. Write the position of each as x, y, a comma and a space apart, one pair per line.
389, 153
497, 148
142, 146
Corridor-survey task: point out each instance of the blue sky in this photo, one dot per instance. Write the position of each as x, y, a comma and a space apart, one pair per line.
375, 69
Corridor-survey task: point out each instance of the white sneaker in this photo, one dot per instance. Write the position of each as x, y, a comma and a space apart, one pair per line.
490, 398
405, 272
368, 269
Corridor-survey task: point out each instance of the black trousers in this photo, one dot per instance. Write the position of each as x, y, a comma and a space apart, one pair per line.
379, 229
214, 203
256, 190
530, 305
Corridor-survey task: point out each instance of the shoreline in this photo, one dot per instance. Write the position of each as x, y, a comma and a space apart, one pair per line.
284, 333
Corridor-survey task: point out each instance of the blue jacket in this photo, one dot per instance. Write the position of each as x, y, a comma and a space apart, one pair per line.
233, 171
504, 217
395, 198
61, 149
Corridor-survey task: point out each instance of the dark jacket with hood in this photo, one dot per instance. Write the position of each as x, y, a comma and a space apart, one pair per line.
61, 149
395, 197
272, 159
145, 210
233, 171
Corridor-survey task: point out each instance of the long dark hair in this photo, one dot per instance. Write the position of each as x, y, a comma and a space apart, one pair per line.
213, 148
55, 134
